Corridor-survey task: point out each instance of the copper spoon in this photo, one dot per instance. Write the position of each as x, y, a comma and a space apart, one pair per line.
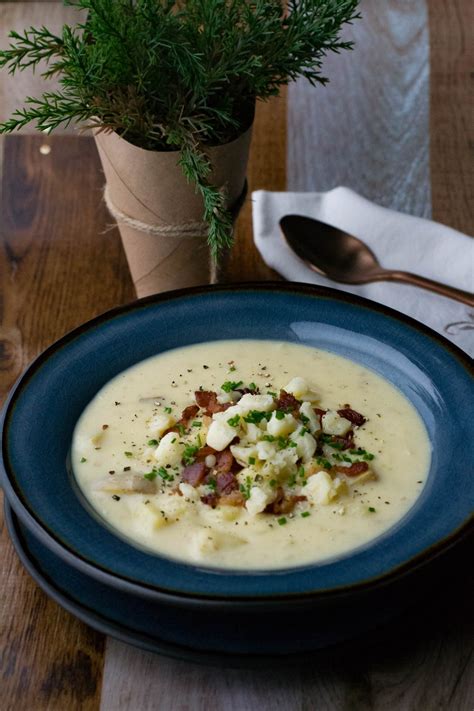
344, 258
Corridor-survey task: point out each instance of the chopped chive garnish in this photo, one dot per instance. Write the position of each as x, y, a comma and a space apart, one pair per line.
168, 410
371, 509
128, 454
188, 454
230, 385
251, 460
305, 514
255, 417
234, 421
281, 521
151, 475
323, 462
252, 386
152, 442
196, 423
279, 414
83, 459
245, 488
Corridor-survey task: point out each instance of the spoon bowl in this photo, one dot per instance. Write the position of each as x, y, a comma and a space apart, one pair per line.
340, 256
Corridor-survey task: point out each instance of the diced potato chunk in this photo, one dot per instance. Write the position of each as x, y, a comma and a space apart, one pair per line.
305, 444
313, 423
253, 432
169, 450
220, 435
319, 488
224, 398
127, 483
242, 454
172, 505
160, 424
266, 450
229, 513
202, 544
227, 414
297, 387
281, 427
284, 460
145, 518
257, 501
262, 403
188, 491
363, 478
334, 424
205, 542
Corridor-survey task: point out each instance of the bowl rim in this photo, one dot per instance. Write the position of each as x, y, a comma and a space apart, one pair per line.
47, 537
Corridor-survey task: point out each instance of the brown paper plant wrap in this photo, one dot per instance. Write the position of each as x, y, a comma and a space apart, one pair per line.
159, 214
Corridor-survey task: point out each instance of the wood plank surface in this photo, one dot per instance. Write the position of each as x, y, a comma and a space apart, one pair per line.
20, 16
368, 129
58, 267
452, 112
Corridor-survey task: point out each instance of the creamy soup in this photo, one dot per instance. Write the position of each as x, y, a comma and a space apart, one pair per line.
250, 454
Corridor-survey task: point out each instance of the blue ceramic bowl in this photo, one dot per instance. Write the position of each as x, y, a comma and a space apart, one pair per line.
43, 409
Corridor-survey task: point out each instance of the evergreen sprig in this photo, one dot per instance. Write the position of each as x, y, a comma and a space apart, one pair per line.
176, 74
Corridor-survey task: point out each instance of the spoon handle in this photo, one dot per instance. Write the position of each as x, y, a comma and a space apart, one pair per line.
451, 292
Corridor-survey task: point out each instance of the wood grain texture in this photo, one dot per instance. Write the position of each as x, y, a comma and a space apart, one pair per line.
368, 129
421, 662
57, 270
452, 112
19, 16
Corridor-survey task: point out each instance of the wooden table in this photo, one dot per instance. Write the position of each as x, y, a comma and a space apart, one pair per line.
394, 125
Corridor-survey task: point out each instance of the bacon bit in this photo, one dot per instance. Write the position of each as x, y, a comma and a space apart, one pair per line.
354, 470
319, 413
235, 498
189, 413
283, 504
207, 401
226, 483
225, 460
347, 441
174, 429
352, 415
247, 391
210, 499
204, 452
287, 402
194, 473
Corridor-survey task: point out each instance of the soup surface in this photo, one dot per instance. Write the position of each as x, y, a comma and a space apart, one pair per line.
250, 454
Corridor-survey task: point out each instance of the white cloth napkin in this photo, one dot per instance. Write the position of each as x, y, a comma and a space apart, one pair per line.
400, 241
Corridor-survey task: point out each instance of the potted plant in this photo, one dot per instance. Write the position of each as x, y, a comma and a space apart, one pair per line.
169, 88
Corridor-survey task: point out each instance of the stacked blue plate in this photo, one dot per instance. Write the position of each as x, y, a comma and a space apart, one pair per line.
196, 611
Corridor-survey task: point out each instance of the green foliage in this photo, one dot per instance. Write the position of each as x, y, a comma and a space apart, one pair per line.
176, 74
